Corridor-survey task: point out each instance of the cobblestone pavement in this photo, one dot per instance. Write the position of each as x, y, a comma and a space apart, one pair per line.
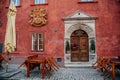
62, 74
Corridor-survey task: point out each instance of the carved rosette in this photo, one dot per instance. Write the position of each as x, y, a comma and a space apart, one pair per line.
38, 17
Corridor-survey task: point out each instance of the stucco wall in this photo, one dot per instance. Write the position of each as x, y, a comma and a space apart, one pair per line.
107, 25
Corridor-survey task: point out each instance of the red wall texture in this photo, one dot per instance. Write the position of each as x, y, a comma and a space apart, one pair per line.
107, 25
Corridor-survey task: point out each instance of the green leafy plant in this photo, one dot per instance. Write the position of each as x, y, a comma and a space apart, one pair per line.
92, 47
67, 46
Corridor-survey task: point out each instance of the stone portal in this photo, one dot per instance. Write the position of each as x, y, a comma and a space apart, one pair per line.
79, 32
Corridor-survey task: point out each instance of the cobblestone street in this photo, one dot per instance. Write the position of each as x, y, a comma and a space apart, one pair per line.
62, 74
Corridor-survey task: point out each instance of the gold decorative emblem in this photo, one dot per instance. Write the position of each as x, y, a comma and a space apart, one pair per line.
38, 17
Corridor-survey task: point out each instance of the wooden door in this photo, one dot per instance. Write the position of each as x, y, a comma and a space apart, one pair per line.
79, 46
75, 48
84, 56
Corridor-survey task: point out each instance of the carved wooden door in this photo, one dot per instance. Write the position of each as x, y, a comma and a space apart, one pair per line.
75, 49
79, 46
84, 56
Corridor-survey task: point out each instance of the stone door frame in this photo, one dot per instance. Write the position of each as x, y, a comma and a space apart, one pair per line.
76, 22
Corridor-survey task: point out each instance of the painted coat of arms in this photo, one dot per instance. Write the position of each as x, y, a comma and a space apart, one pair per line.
38, 17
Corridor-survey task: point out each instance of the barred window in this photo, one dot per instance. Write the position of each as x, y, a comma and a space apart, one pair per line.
37, 42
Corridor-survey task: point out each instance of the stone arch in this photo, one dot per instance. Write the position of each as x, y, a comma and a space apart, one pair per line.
83, 27
91, 36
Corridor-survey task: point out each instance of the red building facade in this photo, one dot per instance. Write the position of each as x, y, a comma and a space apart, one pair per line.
75, 21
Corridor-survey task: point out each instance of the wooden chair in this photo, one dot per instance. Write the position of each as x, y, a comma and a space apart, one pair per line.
104, 65
97, 64
2, 59
52, 65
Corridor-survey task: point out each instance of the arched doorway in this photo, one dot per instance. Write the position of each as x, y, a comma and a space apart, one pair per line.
79, 46
82, 24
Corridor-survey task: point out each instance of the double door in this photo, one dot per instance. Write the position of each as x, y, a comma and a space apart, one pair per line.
79, 48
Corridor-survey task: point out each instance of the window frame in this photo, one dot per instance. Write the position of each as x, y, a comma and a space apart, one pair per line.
35, 47
17, 2
87, 1
40, 2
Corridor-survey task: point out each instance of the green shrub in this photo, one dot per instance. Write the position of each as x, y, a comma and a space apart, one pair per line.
92, 47
67, 46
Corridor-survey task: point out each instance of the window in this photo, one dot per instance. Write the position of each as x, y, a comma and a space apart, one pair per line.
37, 42
86, 0
17, 2
40, 1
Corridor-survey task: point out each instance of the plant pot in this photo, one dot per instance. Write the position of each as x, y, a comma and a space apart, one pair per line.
67, 52
92, 51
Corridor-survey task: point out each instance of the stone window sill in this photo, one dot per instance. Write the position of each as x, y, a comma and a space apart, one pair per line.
16, 6
88, 2
39, 4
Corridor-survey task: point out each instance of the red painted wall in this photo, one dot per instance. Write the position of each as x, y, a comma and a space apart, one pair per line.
107, 25
107, 28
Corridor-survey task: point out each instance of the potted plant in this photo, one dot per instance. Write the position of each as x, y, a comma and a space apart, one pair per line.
92, 46
67, 47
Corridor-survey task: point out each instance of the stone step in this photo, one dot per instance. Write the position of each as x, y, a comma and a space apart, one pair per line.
78, 64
